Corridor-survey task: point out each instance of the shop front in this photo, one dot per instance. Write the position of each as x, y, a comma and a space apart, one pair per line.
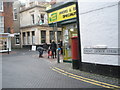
64, 16
69, 31
5, 42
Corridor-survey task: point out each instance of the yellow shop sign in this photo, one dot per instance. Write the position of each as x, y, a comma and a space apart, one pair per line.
62, 14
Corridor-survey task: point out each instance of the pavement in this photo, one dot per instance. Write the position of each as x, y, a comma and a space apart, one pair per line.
23, 68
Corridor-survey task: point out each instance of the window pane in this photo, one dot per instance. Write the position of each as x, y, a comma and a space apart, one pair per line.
17, 39
32, 16
1, 30
1, 19
1, 6
28, 37
42, 18
1, 24
15, 13
23, 34
33, 33
43, 36
59, 36
52, 36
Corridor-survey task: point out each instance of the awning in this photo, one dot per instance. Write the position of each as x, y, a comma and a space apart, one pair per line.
69, 21
6, 35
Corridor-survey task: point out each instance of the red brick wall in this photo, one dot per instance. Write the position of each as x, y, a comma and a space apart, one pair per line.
8, 13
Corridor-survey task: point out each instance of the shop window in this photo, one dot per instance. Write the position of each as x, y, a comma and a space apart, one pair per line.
23, 37
17, 39
3, 44
59, 34
1, 6
33, 33
33, 19
33, 37
52, 36
43, 36
28, 33
15, 14
28, 37
23, 34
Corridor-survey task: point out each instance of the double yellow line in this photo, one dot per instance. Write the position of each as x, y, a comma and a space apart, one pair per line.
98, 83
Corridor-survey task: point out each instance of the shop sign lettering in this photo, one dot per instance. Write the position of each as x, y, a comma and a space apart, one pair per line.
62, 14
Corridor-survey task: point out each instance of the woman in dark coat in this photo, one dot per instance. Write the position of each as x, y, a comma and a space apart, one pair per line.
53, 47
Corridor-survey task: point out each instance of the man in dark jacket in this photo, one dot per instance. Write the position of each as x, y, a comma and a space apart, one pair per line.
53, 47
40, 50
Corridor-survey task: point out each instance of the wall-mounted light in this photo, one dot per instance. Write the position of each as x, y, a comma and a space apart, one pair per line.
71, 29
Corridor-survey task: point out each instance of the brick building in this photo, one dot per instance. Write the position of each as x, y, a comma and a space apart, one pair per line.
16, 23
8, 14
6, 25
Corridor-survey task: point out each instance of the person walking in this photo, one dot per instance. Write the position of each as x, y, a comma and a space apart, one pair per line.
53, 47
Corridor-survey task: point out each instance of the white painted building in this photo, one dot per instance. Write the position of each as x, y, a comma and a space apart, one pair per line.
99, 34
34, 25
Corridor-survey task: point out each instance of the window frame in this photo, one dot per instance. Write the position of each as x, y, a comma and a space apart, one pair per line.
1, 10
43, 37
16, 38
33, 19
51, 35
42, 16
2, 23
15, 13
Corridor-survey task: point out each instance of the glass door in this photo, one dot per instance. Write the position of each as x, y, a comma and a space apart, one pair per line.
68, 33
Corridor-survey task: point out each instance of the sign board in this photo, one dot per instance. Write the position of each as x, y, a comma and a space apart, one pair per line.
62, 14
108, 51
11, 35
33, 48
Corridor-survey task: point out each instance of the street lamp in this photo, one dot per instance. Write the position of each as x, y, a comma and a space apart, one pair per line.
55, 25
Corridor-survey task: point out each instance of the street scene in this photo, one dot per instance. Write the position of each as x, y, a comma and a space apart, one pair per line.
59, 44
24, 69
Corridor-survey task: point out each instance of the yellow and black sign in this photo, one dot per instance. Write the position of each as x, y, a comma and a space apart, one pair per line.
62, 14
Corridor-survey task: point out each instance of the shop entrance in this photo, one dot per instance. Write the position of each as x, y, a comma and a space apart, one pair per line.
69, 31
5, 42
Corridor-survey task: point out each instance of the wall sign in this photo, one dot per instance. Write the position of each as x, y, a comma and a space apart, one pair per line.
62, 14
33, 48
108, 51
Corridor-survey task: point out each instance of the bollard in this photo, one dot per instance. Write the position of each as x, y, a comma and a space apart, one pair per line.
8, 50
58, 57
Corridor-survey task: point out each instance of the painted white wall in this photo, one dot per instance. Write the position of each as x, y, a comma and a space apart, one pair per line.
26, 19
99, 26
9, 43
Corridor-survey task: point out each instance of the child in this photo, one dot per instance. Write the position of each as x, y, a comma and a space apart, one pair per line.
49, 52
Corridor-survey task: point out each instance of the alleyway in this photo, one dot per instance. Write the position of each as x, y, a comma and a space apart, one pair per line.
24, 69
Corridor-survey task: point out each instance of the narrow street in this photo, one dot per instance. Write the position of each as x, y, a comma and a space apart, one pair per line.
24, 69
